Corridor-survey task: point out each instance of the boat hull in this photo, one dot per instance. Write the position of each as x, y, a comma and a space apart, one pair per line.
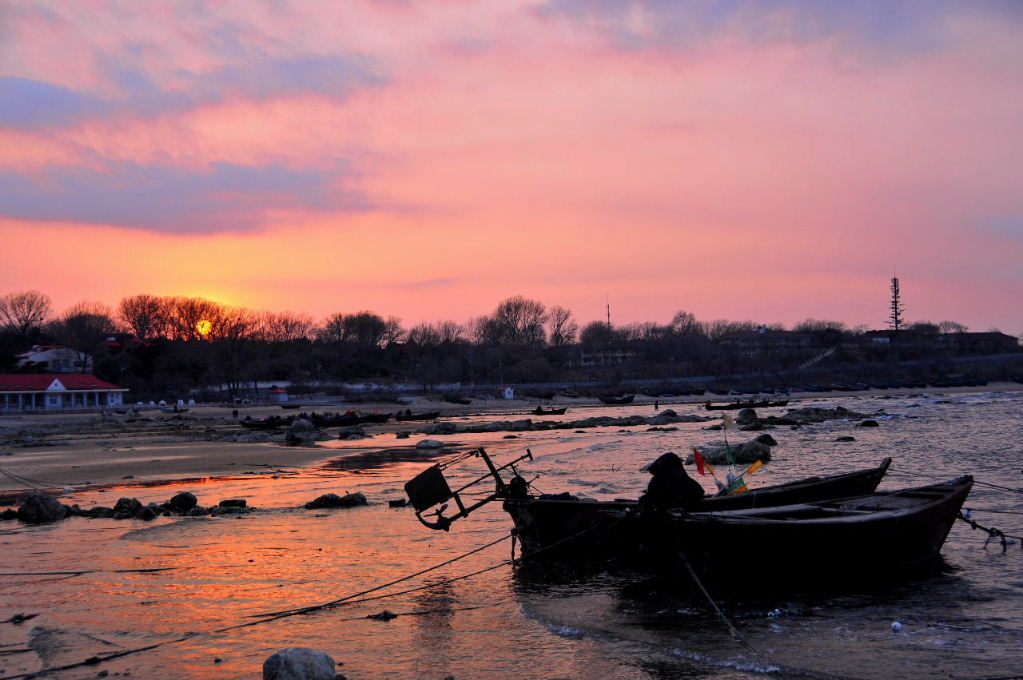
559, 526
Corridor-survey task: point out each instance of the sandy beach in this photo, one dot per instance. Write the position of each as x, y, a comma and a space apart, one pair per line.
76, 450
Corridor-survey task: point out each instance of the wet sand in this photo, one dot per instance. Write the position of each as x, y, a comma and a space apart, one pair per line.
62, 450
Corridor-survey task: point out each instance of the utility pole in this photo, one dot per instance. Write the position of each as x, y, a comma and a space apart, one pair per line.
895, 318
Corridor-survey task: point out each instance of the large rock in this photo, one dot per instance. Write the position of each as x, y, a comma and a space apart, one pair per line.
429, 444
749, 452
302, 431
183, 502
746, 416
40, 508
332, 500
126, 508
299, 663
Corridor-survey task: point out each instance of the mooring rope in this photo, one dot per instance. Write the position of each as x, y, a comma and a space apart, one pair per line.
27, 481
991, 532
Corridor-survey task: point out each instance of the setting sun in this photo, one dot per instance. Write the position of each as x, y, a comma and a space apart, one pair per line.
203, 327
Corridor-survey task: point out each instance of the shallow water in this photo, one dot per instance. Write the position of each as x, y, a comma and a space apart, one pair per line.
188, 583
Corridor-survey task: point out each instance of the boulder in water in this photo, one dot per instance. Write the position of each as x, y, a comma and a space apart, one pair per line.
332, 500
299, 663
40, 508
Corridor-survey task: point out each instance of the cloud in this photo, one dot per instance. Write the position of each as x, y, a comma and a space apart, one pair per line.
30, 104
33, 104
225, 197
874, 27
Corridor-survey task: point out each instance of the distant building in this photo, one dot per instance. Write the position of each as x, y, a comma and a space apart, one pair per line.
47, 392
602, 356
55, 359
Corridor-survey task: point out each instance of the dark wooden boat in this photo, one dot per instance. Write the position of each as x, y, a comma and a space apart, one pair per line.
268, 423
873, 537
366, 418
612, 399
333, 419
406, 416
827, 543
541, 411
749, 403
291, 407
546, 524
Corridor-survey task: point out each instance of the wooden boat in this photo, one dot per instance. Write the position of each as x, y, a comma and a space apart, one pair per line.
541, 411
365, 418
457, 399
829, 542
546, 524
612, 399
873, 537
268, 423
408, 415
291, 407
749, 403
333, 419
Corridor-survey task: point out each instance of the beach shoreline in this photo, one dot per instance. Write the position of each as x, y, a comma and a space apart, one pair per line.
78, 450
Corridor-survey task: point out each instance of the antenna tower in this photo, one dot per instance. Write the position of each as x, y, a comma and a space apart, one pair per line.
895, 317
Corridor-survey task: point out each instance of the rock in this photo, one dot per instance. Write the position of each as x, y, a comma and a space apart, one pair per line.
332, 500
182, 502
126, 508
351, 433
746, 416
9, 513
302, 431
749, 452
868, 423
398, 503
299, 663
402, 435
846, 439
39, 508
146, 513
429, 444
767, 439
233, 503
510, 436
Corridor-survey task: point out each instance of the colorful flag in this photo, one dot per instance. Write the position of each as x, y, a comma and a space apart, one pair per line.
700, 462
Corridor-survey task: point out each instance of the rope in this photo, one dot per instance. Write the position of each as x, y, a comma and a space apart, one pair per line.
27, 481
333, 603
991, 532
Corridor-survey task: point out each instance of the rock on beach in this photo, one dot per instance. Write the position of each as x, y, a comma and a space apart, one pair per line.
299, 663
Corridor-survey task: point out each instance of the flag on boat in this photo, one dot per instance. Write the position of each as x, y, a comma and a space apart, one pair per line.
701, 464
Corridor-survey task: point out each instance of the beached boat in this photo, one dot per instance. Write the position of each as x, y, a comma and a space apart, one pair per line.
541, 411
268, 423
749, 403
330, 419
613, 399
408, 415
830, 541
550, 525
873, 537
367, 418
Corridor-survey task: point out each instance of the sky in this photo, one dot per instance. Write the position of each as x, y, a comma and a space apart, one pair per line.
771, 161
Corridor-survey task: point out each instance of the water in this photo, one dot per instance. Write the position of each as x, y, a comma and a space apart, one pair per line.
188, 583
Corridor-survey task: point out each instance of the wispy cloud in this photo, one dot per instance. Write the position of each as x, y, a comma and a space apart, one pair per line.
222, 197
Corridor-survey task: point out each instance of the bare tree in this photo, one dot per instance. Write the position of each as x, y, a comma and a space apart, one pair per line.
818, 326
24, 311
518, 321
281, 326
83, 327
143, 315
185, 317
562, 329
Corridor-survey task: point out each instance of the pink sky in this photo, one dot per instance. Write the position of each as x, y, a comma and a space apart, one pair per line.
763, 161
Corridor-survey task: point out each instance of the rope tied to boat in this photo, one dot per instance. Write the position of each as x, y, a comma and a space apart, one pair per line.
990, 531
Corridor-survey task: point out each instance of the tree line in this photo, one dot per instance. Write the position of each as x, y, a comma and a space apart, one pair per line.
158, 345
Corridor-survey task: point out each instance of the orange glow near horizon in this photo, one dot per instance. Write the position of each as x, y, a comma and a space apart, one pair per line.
430, 172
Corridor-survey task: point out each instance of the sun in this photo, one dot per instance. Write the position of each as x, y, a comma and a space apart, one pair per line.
203, 327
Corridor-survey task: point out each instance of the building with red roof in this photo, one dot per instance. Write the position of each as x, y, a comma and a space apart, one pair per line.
47, 391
